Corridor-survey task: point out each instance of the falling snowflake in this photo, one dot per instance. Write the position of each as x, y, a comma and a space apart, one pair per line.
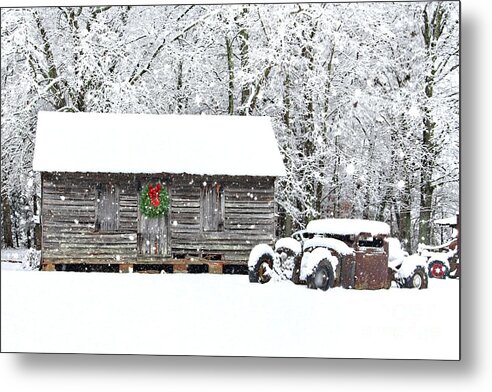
175, 223
63, 197
400, 185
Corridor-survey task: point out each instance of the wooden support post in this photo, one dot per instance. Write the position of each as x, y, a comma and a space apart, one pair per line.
125, 268
49, 267
180, 268
215, 268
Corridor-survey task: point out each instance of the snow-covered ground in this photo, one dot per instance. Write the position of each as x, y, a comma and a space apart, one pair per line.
223, 315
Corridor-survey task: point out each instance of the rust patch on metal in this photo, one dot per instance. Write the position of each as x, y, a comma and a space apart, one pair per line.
371, 270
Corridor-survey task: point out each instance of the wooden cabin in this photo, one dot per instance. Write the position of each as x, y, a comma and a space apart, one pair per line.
99, 175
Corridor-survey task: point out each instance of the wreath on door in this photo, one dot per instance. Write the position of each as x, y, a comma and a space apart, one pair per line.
154, 201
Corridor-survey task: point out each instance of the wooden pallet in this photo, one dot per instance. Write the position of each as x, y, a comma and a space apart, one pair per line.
178, 266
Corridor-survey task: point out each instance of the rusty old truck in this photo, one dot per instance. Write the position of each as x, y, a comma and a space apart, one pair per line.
348, 253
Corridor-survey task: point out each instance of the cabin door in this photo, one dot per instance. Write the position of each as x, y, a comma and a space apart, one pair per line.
153, 234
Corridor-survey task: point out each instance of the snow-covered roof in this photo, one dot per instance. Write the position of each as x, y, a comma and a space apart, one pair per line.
149, 143
450, 221
347, 227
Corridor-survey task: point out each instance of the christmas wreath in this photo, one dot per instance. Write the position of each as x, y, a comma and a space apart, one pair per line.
154, 201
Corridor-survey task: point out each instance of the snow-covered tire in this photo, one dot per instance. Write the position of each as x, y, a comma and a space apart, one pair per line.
323, 277
438, 270
417, 280
261, 272
289, 246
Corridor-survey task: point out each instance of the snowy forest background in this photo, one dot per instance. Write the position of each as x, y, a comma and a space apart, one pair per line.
364, 97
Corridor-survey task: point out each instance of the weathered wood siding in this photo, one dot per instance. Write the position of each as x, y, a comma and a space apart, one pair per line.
68, 219
249, 216
69, 205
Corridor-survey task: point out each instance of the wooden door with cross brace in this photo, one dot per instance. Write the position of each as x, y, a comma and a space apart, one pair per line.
153, 234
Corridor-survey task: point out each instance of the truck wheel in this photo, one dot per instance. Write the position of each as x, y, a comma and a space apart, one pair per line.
418, 280
262, 270
438, 270
323, 277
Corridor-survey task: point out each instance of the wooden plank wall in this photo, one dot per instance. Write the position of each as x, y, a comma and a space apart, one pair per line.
249, 216
69, 209
68, 218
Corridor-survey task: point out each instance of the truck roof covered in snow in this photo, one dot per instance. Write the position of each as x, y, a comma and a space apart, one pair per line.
149, 143
347, 227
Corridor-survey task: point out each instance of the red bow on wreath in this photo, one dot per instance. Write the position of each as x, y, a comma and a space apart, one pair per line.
154, 194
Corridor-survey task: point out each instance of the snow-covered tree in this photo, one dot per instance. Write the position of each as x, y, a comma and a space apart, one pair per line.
363, 97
